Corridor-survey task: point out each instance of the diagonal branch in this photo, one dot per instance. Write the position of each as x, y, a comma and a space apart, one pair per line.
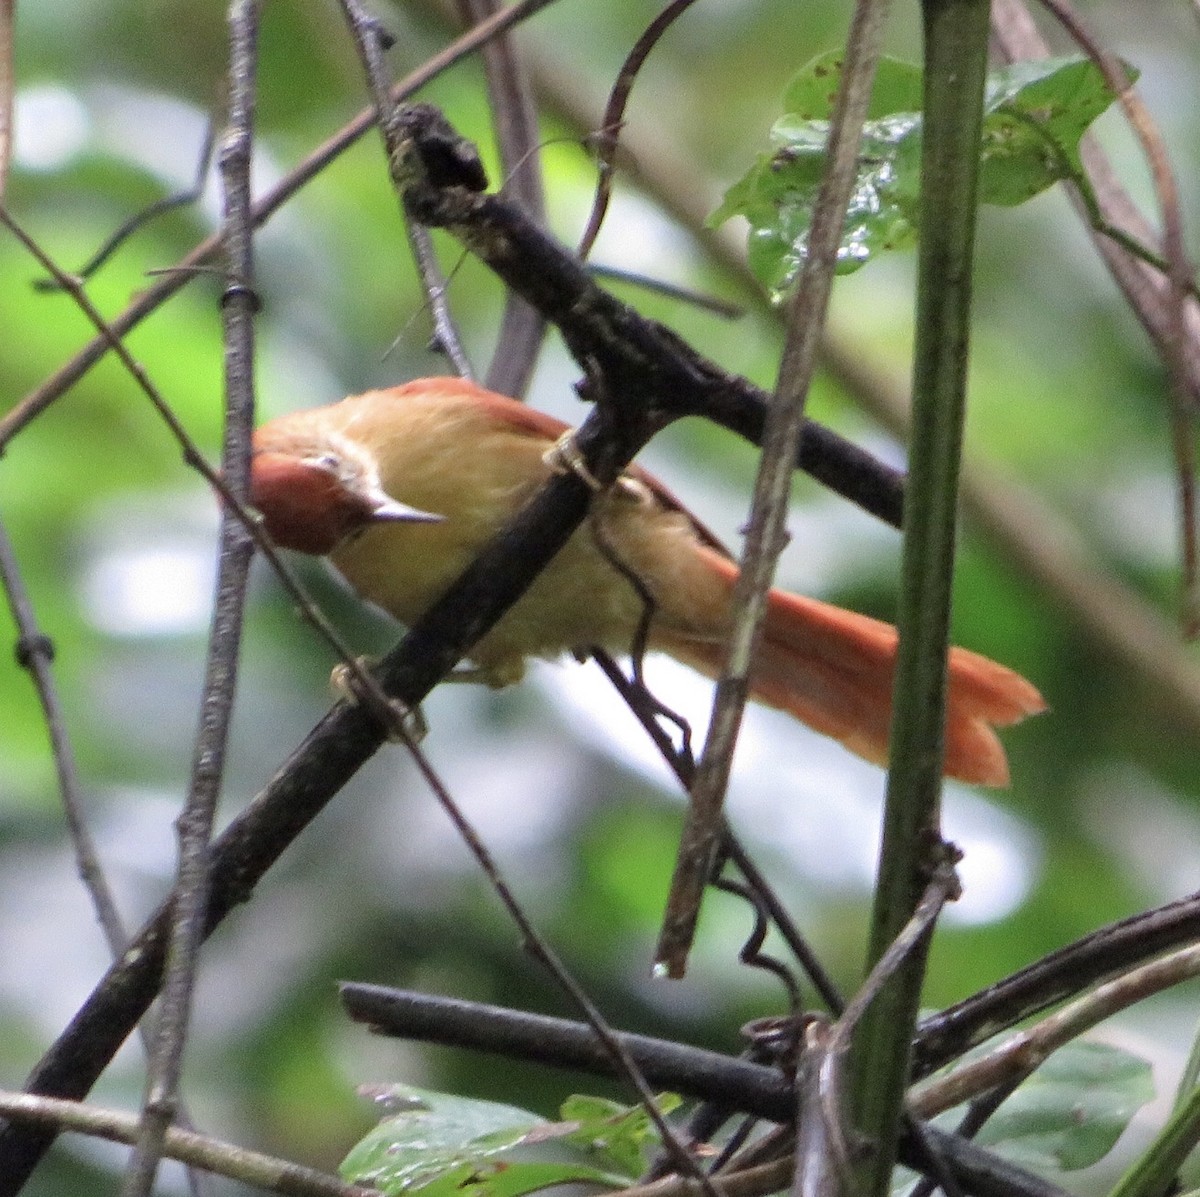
340, 744
766, 534
197, 1151
372, 42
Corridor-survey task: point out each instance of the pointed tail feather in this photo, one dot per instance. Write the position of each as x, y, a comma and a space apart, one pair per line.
832, 669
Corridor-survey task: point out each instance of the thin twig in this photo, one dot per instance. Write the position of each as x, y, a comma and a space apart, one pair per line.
1019, 1056
445, 339
683, 766
35, 653
757, 891
195, 823
943, 887
608, 136
819, 1151
724, 308
179, 199
821, 1118
514, 116
196, 1151
766, 535
750, 953
807, 958
372, 42
827, 1079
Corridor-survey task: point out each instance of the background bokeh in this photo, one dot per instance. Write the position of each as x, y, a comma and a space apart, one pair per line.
116, 539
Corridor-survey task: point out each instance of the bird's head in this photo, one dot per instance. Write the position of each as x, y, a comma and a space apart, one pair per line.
315, 488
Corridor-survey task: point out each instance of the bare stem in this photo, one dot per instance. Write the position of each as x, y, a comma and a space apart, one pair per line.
195, 823
766, 536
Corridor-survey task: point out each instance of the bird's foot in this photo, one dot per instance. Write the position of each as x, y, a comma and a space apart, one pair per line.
497, 675
564, 457
403, 724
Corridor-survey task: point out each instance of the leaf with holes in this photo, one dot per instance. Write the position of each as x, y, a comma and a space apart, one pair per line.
1034, 116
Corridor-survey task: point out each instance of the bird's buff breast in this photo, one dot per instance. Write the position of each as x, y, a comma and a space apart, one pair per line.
577, 602
571, 605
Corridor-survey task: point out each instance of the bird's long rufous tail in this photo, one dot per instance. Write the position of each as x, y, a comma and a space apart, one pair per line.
832, 669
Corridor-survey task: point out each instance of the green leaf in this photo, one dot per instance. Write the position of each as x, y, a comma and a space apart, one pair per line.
619, 1137
430, 1135
442, 1145
503, 1178
809, 96
1072, 1110
1035, 114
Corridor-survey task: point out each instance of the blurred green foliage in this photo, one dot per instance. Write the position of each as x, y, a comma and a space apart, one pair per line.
115, 538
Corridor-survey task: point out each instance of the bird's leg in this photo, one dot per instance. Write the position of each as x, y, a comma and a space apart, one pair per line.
402, 722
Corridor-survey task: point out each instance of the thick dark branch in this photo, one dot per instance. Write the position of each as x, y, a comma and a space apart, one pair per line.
705, 1075
566, 1044
635, 356
944, 1036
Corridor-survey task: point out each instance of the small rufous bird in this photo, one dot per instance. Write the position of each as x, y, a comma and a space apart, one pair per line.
401, 488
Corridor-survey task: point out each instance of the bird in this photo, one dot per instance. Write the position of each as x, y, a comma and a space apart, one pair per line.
401, 487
